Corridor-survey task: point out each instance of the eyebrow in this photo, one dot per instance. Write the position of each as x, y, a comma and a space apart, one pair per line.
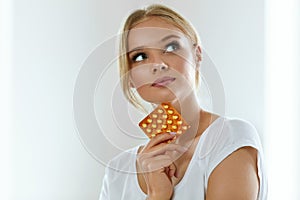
162, 40
168, 37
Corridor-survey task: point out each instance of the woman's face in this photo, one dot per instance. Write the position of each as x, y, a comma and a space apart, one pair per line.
162, 61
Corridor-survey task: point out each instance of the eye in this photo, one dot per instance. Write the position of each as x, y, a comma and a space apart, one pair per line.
139, 57
172, 46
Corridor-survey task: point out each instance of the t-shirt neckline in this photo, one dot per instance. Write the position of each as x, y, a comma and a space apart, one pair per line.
184, 178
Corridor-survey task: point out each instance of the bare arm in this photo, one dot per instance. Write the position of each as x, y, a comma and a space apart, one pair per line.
236, 177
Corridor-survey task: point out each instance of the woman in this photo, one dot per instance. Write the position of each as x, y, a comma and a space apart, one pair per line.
217, 158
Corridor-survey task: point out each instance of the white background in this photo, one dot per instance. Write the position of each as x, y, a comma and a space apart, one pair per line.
50, 41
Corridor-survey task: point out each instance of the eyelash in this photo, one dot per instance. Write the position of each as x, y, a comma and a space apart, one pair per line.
137, 55
173, 43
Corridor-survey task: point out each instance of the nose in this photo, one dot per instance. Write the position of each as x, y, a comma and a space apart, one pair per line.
159, 67
158, 63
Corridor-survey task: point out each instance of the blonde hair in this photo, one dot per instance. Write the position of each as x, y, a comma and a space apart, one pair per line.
132, 20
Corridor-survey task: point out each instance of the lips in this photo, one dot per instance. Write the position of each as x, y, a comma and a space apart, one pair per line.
161, 82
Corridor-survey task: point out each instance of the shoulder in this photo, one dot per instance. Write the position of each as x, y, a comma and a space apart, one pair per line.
241, 127
119, 172
237, 132
227, 134
122, 162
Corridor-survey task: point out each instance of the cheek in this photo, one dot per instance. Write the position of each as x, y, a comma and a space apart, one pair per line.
185, 68
139, 76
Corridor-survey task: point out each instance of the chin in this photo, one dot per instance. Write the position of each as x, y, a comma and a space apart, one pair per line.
157, 96
158, 99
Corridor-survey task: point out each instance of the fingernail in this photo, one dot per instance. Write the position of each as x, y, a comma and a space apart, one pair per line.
172, 133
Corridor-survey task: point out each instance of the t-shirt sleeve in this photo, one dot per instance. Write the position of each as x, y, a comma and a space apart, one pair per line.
236, 134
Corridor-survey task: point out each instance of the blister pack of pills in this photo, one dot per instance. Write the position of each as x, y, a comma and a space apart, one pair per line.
164, 118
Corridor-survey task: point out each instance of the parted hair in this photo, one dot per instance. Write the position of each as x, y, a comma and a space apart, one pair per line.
136, 17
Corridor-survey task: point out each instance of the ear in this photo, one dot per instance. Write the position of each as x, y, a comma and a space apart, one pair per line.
198, 56
198, 52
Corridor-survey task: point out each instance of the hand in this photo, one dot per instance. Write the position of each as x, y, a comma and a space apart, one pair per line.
156, 164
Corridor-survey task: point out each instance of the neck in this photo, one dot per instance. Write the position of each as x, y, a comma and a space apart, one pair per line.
189, 108
193, 114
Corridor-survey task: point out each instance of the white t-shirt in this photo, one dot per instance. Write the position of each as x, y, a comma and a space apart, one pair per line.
219, 140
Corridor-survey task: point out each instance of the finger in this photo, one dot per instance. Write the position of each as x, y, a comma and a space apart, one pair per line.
159, 146
172, 170
164, 149
167, 170
177, 154
156, 164
160, 138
